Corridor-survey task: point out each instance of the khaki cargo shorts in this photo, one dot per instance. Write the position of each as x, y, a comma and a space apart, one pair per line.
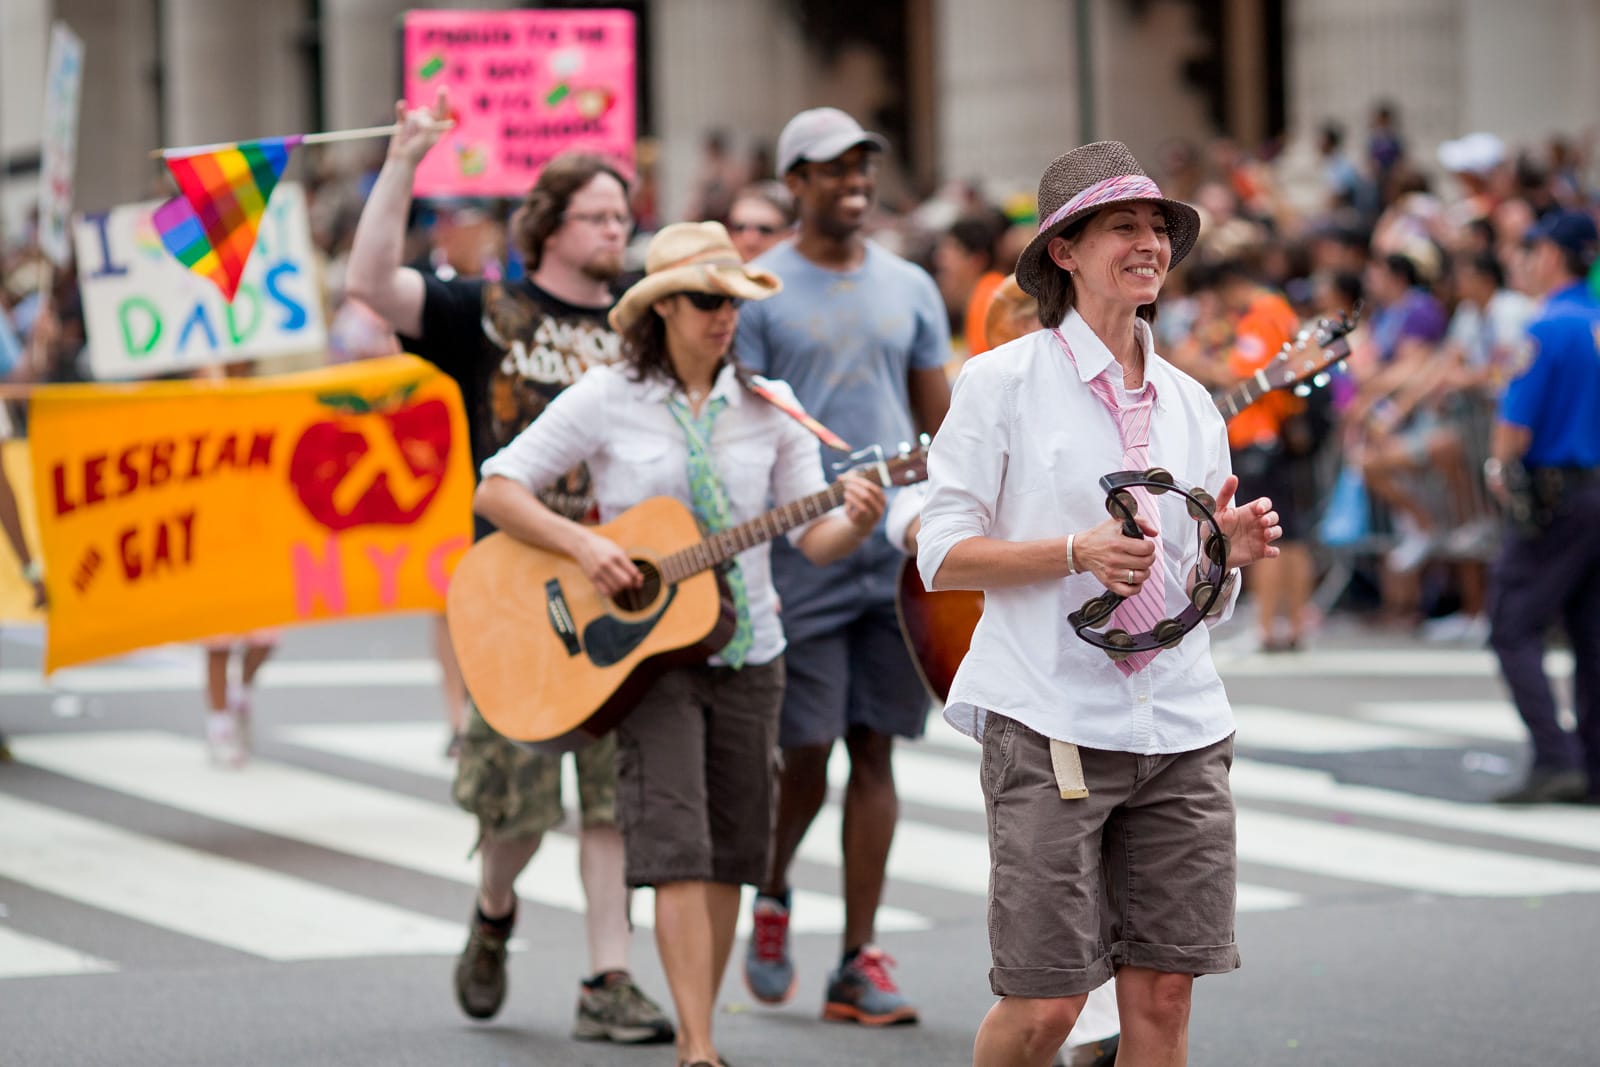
1140, 873
516, 791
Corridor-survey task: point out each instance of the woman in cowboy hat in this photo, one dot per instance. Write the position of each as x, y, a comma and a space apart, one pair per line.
1100, 774
676, 417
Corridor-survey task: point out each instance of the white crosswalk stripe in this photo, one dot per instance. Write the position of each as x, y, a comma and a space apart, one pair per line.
334, 813
1298, 827
22, 956
214, 898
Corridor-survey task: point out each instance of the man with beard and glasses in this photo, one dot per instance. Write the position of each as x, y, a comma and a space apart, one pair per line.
513, 348
862, 336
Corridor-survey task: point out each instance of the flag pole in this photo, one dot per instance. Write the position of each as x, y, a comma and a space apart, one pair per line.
310, 138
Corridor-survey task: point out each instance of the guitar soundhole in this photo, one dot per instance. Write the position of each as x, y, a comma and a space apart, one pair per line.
641, 598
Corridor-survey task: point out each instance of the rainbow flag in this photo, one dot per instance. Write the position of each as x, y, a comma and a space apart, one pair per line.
211, 226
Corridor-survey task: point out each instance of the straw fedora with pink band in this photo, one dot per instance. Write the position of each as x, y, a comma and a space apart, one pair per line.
1082, 182
696, 257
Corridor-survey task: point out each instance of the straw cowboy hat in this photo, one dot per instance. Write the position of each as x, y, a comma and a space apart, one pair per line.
1082, 182
693, 257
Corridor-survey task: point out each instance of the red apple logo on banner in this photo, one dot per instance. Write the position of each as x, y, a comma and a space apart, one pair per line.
372, 462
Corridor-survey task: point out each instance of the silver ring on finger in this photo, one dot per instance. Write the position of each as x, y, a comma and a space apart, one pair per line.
1130, 577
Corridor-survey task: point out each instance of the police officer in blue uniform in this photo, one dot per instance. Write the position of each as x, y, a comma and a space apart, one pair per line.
1544, 466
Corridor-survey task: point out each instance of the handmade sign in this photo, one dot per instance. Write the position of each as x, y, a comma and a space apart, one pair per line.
147, 314
58, 154
525, 85
172, 511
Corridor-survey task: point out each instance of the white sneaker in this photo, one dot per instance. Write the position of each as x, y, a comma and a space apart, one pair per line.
240, 708
1474, 539
1446, 628
223, 743
1413, 548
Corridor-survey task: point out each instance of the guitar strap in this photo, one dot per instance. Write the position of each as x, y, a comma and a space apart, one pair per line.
757, 385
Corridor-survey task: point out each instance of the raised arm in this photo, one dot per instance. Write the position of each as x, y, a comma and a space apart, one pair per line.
376, 274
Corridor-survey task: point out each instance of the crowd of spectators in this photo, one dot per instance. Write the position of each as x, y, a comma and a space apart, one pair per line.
1376, 474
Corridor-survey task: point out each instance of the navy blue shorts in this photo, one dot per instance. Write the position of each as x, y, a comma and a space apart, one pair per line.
857, 675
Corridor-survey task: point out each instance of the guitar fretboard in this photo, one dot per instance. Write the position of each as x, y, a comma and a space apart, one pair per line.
1243, 395
722, 546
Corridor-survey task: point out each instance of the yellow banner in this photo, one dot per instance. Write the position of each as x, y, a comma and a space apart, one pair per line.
16, 595
172, 511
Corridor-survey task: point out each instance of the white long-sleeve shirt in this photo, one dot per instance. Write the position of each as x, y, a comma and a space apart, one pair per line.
635, 449
1019, 458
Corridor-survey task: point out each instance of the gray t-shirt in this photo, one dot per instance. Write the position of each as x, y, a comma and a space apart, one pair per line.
846, 342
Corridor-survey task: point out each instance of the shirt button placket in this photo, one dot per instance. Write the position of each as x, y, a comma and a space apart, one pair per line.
1143, 708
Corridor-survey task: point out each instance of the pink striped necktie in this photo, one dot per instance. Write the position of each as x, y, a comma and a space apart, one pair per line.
1144, 609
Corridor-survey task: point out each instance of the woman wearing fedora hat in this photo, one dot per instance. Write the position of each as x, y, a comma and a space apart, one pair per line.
677, 417
1100, 774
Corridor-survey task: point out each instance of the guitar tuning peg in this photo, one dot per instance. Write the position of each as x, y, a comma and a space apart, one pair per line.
924, 440
1302, 390
1321, 380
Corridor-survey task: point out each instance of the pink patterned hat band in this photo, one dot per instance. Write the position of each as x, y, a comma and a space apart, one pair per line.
1106, 191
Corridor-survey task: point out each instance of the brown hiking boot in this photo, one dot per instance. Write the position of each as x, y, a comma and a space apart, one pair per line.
481, 969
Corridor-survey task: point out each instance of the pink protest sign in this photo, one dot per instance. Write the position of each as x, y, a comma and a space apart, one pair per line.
524, 86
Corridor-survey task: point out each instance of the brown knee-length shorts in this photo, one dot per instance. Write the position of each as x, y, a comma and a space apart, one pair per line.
1140, 873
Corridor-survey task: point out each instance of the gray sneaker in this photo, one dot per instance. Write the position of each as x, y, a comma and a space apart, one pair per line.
862, 992
768, 967
481, 969
617, 1010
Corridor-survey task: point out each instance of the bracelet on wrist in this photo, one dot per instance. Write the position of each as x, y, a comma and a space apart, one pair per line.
1072, 564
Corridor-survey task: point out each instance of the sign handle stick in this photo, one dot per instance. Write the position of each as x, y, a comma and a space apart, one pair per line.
310, 138
37, 356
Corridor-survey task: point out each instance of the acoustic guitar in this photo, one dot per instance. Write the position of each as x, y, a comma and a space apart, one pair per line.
549, 660
938, 626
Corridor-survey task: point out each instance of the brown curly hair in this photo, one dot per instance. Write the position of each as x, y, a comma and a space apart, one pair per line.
544, 209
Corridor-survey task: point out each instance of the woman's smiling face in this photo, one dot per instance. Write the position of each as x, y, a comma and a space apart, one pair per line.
1120, 257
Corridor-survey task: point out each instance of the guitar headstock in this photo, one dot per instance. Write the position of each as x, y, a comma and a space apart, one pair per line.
910, 465
906, 467
1304, 362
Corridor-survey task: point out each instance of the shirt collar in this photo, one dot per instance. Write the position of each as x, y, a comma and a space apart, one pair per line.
1576, 293
656, 388
1093, 357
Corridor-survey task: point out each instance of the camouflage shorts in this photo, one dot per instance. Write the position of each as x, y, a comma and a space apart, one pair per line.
516, 792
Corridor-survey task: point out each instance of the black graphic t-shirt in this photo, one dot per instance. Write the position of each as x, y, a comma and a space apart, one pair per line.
512, 347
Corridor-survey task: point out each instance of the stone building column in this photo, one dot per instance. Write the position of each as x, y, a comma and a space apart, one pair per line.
1345, 55
1528, 69
1007, 79
24, 40
739, 66
360, 61
233, 70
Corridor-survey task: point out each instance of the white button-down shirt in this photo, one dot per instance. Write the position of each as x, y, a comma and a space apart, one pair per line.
636, 449
1019, 458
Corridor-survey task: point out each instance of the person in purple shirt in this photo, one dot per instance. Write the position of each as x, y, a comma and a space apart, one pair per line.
1406, 309
1407, 328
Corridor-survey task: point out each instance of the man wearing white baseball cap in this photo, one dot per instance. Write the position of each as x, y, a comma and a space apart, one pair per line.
862, 337
820, 135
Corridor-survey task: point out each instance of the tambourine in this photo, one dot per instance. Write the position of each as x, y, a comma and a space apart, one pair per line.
1209, 580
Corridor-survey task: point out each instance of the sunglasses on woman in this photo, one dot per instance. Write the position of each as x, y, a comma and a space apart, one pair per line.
712, 301
765, 229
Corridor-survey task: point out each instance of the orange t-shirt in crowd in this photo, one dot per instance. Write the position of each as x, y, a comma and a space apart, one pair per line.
978, 311
1259, 335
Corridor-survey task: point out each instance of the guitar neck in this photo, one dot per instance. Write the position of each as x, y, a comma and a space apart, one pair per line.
722, 546
1243, 395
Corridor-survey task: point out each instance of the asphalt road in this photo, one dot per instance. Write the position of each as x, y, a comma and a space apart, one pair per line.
306, 910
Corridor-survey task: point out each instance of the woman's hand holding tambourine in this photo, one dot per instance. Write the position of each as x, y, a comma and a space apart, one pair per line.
1120, 563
